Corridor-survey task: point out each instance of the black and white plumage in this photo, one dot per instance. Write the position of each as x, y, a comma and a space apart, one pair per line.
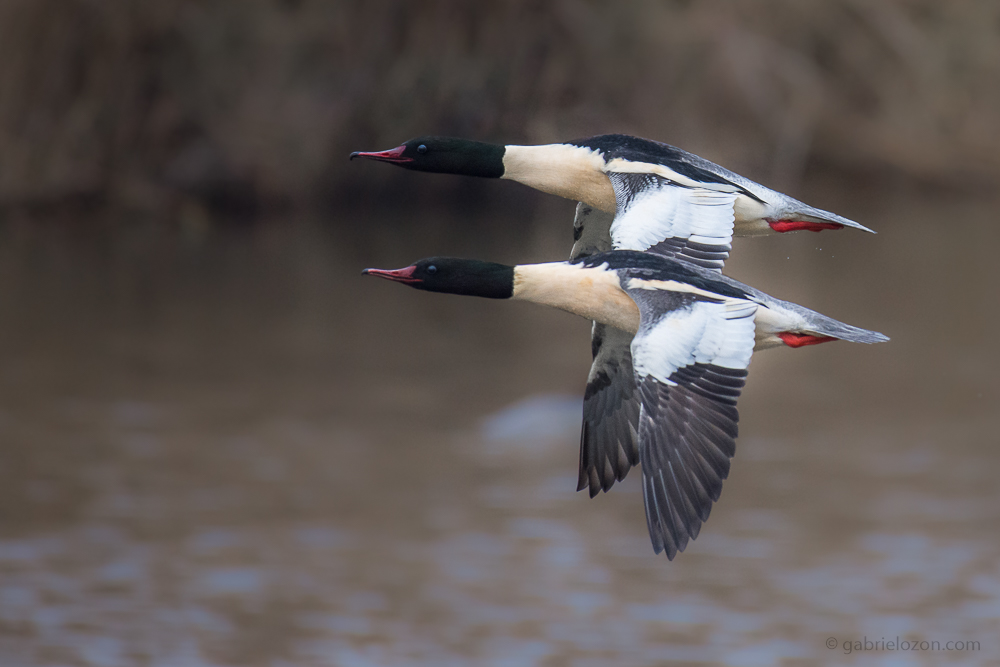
654, 214
658, 193
635, 194
686, 182
608, 437
694, 333
675, 203
691, 355
611, 403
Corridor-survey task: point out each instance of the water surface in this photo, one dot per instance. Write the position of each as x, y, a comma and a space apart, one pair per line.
223, 446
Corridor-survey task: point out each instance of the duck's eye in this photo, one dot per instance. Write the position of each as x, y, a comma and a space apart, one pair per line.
431, 270
421, 149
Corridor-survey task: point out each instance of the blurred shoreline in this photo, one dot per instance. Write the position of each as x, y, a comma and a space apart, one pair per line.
250, 106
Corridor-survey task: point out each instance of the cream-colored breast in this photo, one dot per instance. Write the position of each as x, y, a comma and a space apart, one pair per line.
593, 293
750, 217
772, 320
569, 171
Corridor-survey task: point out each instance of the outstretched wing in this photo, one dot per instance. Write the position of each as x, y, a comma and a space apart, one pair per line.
691, 223
654, 213
690, 356
608, 440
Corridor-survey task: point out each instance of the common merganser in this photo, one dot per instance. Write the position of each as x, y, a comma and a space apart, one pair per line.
657, 192
663, 199
694, 333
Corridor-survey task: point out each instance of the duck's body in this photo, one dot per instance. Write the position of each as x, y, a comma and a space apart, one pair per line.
583, 170
634, 194
603, 171
595, 287
694, 333
641, 195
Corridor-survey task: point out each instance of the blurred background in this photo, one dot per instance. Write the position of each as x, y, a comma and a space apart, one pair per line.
220, 445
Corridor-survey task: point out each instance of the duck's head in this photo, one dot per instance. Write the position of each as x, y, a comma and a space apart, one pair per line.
468, 277
444, 155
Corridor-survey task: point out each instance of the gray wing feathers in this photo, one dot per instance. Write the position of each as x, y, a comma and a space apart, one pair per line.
608, 445
690, 356
688, 435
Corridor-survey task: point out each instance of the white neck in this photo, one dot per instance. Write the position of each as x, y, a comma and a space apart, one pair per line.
573, 172
593, 293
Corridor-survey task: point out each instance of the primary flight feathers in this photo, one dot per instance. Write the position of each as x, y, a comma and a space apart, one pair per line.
694, 333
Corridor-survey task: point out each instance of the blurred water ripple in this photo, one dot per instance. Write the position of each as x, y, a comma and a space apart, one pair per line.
264, 460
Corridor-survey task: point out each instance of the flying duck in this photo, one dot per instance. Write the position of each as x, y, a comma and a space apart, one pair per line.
694, 333
634, 194
656, 191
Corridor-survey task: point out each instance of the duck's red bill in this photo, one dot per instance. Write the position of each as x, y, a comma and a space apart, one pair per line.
395, 156
397, 275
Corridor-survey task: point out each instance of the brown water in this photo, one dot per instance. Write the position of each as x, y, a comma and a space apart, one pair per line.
223, 446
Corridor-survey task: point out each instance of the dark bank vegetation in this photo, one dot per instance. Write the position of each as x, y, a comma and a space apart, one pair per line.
233, 102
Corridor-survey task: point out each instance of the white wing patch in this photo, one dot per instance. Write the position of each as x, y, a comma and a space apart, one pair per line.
623, 166
671, 286
721, 334
665, 210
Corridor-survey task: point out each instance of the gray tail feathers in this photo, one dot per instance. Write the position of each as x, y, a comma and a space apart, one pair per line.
812, 321
819, 215
827, 326
822, 325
